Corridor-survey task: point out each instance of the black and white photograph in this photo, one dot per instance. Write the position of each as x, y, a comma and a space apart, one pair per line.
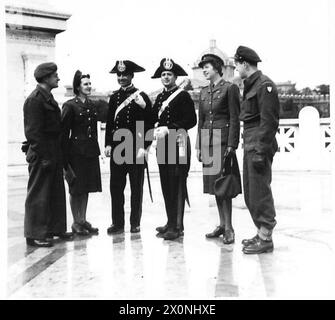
167, 150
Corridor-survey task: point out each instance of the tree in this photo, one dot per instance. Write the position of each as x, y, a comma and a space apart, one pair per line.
322, 89
306, 91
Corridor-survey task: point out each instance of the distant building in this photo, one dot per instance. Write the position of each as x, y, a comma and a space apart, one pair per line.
286, 87
31, 28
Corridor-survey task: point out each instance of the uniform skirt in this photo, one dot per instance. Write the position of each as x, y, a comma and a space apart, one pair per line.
88, 176
213, 147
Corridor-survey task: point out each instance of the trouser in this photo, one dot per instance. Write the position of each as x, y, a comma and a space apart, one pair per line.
173, 183
258, 194
45, 206
118, 179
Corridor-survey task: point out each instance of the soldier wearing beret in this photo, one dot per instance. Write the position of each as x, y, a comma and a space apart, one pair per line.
129, 110
173, 111
45, 206
260, 114
81, 151
218, 134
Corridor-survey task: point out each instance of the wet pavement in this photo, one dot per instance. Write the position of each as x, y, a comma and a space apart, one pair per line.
142, 266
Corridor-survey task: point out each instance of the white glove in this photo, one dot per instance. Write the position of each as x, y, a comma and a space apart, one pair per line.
140, 101
141, 153
108, 151
161, 132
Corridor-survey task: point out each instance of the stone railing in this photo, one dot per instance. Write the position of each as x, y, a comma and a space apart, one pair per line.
303, 144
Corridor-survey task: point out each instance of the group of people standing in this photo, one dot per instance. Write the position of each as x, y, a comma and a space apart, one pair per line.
65, 143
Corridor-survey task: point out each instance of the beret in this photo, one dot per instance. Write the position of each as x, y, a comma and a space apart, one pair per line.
168, 64
44, 69
246, 54
210, 57
126, 66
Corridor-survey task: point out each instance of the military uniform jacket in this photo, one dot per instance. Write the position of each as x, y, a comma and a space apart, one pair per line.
127, 117
179, 114
219, 108
42, 124
260, 108
79, 129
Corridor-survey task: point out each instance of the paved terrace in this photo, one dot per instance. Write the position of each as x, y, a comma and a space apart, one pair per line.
142, 266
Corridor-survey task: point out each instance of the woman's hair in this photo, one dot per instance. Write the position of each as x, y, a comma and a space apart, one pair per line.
77, 81
217, 65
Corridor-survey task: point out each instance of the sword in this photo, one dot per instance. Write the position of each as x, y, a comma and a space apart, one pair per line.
186, 194
148, 177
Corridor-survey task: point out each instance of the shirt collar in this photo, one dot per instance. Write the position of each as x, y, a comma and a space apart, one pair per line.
131, 86
171, 89
251, 80
46, 94
214, 84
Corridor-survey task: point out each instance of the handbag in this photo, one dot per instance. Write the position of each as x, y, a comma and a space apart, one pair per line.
228, 185
69, 174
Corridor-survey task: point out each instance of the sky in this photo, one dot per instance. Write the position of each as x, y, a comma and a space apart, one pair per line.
290, 36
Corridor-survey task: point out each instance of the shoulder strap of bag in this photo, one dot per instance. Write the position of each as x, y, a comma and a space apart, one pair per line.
126, 102
166, 103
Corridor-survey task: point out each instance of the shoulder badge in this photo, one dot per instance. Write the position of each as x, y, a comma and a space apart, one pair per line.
269, 88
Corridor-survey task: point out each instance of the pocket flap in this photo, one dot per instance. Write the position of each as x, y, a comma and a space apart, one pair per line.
250, 94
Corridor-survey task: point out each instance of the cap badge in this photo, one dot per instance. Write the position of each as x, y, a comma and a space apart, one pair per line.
168, 64
121, 66
269, 89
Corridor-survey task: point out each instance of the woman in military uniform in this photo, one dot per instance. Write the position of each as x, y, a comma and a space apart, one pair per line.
173, 109
81, 151
218, 135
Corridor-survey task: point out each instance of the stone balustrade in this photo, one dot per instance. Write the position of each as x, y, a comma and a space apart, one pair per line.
303, 144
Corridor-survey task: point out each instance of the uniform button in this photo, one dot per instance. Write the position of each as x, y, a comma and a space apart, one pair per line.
76, 138
218, 96
210, 102
210, 112
89, 136
89, 119
88, 110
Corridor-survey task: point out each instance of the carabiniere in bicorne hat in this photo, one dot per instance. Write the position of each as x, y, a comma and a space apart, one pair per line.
168, 64
126, 67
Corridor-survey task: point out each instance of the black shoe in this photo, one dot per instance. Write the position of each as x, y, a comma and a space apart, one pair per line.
87, 226
216, 233
171, 235
66, 236
113, 229
246, 242
160, 235
162, 229
229, 237
135, 229
79, 229
39, 243
258, 246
